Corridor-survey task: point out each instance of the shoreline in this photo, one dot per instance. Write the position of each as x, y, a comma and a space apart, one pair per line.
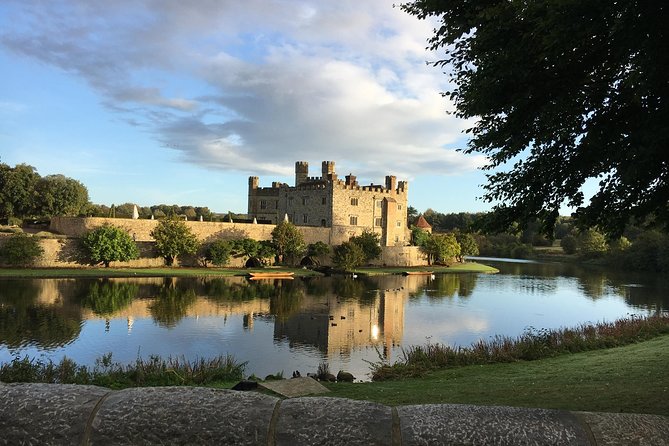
100, 272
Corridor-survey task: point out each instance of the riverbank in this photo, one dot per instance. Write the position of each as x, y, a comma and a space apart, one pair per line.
467, 267
629, 379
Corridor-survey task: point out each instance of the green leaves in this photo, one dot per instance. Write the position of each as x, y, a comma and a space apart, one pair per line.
174, 238
562, 92
108, 244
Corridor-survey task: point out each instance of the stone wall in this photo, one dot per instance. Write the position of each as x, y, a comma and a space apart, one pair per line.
66, 252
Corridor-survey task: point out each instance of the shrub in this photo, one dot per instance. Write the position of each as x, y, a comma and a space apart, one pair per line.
109, 243
21, 250
218, 252
348, 256
569, 244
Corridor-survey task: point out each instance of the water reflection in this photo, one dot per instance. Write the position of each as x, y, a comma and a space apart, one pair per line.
287, 325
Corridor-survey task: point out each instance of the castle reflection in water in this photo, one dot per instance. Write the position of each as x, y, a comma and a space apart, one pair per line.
335, 315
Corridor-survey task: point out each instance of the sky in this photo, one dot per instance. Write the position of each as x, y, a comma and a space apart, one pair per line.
175, 102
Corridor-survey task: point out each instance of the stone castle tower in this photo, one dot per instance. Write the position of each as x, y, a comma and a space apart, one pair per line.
342, 205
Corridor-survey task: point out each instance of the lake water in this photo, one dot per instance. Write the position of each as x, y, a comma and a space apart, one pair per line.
296, 324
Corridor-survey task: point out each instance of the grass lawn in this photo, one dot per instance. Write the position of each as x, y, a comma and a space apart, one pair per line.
633, 379
465, 267
200, 272
143, 272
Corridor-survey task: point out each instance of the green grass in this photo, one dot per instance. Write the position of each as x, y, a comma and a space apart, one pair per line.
632, 379
142, 272
466, 267
200, 272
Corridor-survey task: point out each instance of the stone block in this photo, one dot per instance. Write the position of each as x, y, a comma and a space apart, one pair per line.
612, 429
451, 424
333, 421
182, 415
46, 414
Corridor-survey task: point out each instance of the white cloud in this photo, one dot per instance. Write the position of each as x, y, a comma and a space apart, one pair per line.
229, 83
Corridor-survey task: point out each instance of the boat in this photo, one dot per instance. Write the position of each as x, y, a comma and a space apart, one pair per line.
271, 275
418, 273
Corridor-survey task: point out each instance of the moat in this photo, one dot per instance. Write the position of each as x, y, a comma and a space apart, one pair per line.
287, 325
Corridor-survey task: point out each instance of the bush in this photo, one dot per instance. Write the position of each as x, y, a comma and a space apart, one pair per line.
569, 244
21, 250
348, 256
109, 243
218, 252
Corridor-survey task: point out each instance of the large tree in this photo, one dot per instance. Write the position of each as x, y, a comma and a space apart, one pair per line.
17, 190
562, 91
288, 241
58, 195
174, 238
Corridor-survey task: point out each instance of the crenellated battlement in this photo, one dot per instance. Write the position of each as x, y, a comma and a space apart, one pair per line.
328, 201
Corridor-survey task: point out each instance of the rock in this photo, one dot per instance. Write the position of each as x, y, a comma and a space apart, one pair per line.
245, 385
345, 377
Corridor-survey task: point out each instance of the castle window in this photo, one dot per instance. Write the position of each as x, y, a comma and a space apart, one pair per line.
324, 200
399, 207
323, 223
305, 218
354, 201
378, 221
399, 223
305, 201
354, 220
263, 204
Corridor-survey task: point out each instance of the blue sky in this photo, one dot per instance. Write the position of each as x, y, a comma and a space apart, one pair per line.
166, 101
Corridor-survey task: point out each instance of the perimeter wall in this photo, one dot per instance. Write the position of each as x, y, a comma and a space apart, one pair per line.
65, 251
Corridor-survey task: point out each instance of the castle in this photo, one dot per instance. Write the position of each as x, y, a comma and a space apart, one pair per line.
342, 205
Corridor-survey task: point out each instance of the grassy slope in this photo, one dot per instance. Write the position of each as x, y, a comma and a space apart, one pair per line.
624, 379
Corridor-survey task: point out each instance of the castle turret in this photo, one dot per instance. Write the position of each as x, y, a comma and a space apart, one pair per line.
328, 170
391, 182
351, 180
253, 182
301, 172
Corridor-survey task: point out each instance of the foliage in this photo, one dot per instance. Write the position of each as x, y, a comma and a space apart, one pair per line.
109, 243
369, 242
502, 245
348, 256
569, 244
531, 345
461, 221
288, 241
218, 252
440, 248
153, 371
318, 249
59, 195
561, 92
253, 249
468, 245
591, 244
419, 237
649, 252
21, 250
17, 190
174, 238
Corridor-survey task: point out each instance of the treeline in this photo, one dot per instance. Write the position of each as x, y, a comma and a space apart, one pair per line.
641, 247
24, 194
